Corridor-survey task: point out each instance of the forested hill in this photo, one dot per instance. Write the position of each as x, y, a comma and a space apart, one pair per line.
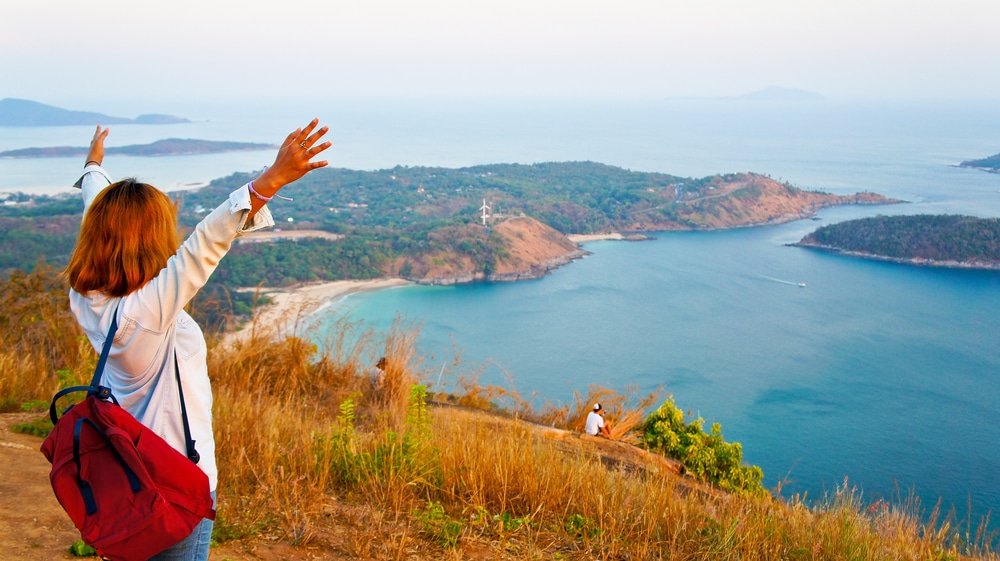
991, 163
572, 197
940, 240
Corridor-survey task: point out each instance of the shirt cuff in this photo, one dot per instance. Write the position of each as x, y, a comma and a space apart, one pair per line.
92, 168
239, 201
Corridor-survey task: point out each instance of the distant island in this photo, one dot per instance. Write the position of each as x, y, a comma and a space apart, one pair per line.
990, 164
779, 93
929, 240
26, 113
165, 147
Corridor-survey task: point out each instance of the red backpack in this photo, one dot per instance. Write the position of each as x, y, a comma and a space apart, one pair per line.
129, 493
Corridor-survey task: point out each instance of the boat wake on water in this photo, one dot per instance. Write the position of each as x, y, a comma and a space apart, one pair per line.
792, 283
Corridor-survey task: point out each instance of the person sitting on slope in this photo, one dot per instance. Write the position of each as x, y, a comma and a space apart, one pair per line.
596, 425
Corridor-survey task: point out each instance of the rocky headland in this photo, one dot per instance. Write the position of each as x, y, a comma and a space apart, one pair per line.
529, 249
743, 200
990, 164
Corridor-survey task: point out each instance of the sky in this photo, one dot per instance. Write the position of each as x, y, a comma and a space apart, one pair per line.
70, 53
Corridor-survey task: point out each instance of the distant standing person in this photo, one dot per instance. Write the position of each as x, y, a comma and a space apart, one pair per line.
596, 425
376, 374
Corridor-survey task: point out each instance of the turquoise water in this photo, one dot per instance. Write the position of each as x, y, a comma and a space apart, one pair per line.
885, 374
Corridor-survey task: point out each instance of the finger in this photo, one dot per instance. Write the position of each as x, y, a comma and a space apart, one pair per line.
291, 137
319, 164
316, 135
319, 148
309, 128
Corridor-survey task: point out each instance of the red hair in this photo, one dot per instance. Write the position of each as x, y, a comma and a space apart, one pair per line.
127, 235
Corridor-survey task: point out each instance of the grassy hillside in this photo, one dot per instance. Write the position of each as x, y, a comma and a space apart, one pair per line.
338, 468
572, 197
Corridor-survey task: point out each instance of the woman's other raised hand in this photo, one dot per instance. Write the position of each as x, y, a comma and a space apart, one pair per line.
96, 153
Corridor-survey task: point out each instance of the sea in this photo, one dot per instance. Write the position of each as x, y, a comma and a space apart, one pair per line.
880, 376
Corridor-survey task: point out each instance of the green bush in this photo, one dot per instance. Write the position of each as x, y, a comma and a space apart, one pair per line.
706, 455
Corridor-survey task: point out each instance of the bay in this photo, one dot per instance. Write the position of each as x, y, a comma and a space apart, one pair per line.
880, 373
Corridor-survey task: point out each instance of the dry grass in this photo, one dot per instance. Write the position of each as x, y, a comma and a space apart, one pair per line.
624, 411
459, 480
41, 345
304, 437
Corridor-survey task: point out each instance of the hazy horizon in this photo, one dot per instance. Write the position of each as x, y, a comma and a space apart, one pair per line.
82, 55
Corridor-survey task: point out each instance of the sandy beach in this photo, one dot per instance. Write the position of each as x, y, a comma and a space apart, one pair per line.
584, 238
291, 306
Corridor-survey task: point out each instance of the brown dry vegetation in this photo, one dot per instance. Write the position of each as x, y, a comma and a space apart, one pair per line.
532, 247
319, 462
745, 199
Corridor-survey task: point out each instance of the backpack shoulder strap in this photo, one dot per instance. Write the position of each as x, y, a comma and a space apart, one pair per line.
192, 454
99, 370
95, 387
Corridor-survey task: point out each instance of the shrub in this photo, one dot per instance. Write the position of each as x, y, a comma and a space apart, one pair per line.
706, 455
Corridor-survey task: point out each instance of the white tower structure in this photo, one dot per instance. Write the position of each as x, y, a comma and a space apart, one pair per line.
486, 211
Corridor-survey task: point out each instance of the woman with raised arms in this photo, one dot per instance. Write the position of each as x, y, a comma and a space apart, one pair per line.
129, 263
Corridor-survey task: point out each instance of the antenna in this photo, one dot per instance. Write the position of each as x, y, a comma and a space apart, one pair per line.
486, 209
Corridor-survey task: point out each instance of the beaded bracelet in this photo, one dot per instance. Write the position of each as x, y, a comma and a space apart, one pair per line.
266, 199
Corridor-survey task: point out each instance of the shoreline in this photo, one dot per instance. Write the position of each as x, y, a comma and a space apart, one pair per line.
911, 261
290, 306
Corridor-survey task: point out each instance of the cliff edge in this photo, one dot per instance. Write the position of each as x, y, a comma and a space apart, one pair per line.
514, 249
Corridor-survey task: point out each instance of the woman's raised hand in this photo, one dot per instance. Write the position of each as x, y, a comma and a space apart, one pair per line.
294, 159
96, 153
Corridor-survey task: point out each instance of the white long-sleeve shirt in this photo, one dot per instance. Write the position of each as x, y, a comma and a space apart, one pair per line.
152, 325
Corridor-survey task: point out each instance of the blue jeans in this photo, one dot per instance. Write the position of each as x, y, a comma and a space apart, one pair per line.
193, 547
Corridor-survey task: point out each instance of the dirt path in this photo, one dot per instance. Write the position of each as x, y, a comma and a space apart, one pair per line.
33, 527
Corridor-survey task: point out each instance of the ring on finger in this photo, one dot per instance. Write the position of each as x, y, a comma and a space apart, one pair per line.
303, 145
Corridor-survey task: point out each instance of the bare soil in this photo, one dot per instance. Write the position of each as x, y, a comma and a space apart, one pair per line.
33, 527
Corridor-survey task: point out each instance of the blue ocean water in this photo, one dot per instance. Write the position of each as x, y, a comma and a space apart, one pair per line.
885, 374
881, 373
